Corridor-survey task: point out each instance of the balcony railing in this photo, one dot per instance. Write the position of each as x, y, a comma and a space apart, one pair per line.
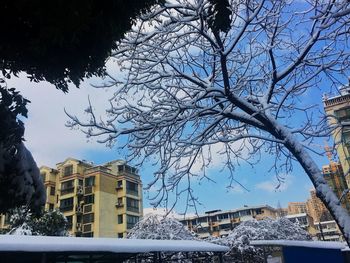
132, 192
98, 169
133, 209
66, 208
130, 225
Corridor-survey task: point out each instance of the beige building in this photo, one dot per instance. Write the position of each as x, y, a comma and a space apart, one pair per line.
337, 109
97, 200
333, 173
296, 208
218, 223
316, 209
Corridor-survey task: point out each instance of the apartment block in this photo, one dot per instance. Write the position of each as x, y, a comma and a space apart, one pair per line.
218, 223
97, 200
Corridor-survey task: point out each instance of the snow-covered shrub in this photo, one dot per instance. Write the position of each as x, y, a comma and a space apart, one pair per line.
268, 229
49, 223
158, 227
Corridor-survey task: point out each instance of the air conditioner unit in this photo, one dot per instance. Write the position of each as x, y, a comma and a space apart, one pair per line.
119, 204
80, 192
79, 209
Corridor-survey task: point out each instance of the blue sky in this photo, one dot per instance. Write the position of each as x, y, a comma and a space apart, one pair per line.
51, 142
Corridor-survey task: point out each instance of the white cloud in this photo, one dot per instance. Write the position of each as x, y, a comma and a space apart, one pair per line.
46, 135
274, 185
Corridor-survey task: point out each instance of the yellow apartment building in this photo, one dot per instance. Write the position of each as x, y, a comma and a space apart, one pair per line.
337, 109
97, 200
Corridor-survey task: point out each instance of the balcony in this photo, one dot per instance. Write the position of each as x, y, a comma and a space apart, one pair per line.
132, 209
132, 192
66, 208
130, 225
67, 190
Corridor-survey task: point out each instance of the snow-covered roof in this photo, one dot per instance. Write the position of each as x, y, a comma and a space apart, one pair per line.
229, 211
295, 243
91, 245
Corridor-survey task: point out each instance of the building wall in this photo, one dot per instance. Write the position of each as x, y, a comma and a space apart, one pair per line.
333, 173
337, 109
296, 208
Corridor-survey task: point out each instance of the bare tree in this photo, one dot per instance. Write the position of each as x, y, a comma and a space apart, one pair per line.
188, 88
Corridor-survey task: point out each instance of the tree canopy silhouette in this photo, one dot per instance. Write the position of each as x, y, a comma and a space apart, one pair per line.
63, 41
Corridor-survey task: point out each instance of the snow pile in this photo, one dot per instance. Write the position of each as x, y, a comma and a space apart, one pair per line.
158, 227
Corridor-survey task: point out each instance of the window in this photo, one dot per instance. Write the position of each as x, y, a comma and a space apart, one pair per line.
68, 170
88, 218
66, 204
245, 213
202, 220
51, 207
131, 221
120, 235
67, 184
132, 205
127, 168
223, 216
120, 219
67, 187
132, 188
90, 181
52, 190
89, 199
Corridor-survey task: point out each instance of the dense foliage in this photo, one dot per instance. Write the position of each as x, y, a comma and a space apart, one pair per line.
63, 41
20, 181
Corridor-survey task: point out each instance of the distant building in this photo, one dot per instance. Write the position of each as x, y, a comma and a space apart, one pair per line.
218, 223
296, 208
305, 221
333, 173
337, 109
328, 231
97, 200
316, 209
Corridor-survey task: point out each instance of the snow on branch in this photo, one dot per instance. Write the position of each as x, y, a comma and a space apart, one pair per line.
188, 91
